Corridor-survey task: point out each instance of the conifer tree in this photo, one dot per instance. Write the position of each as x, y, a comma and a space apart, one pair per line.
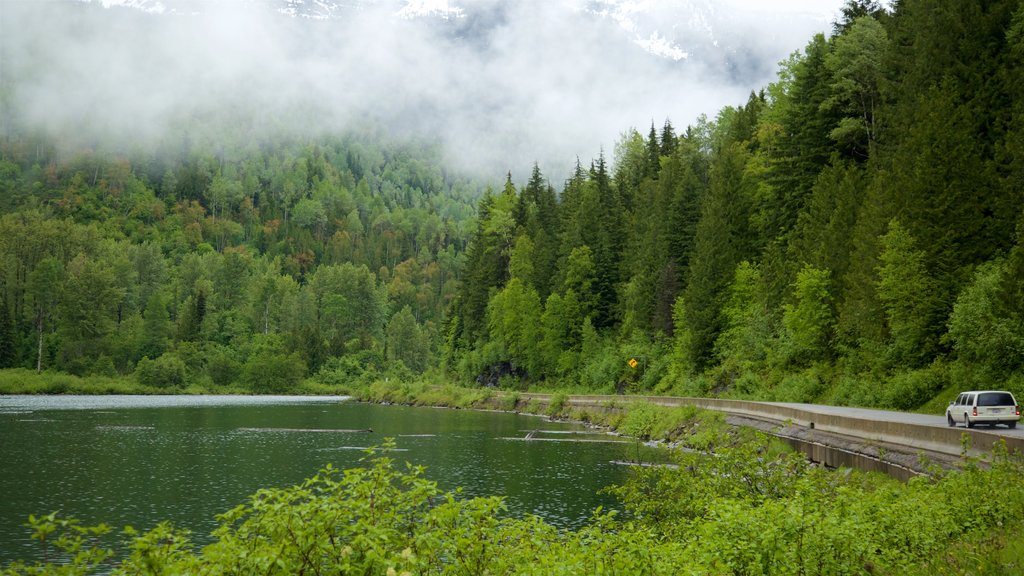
721, 242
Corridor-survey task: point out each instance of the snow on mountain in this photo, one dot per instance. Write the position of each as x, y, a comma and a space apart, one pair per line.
676, 30
151, 6
437, 8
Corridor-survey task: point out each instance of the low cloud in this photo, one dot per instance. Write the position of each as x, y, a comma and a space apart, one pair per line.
504, 85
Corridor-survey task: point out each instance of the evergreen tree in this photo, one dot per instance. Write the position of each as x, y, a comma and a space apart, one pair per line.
654, 153
607, 245
486, 269
539, 206
190, 323
853, 10
668, 139
722, 240
796, 160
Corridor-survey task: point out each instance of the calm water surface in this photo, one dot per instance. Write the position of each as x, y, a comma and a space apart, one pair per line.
141, 459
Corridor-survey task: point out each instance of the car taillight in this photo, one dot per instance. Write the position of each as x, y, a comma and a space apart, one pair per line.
1018, 410
974, 411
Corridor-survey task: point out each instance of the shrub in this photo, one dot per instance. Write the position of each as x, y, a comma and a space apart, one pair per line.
167, 371
222, 368
273, 373
356, 369
909, 390
805, 386
556, 404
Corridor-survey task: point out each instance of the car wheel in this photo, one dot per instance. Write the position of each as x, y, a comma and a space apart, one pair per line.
949, 420
967, 421
1011, 425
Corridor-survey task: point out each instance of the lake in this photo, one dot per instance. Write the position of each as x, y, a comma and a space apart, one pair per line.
137, 460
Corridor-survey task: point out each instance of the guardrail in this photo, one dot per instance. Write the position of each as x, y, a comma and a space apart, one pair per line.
940, 439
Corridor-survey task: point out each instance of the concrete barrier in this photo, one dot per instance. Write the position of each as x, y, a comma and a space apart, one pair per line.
940, 439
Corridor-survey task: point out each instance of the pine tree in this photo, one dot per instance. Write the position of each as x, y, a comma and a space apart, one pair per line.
722, 240
654, 154
542, 225
794, 163
668, 139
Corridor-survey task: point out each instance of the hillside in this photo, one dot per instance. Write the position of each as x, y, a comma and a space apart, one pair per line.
850, 234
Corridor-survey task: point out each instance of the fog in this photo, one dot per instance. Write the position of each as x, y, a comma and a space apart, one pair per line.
501, 84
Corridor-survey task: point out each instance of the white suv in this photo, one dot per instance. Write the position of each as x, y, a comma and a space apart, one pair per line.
984, 407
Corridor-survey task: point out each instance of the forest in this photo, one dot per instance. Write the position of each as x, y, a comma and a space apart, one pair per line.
852, 234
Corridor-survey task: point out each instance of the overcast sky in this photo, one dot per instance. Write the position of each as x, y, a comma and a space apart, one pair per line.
542, 84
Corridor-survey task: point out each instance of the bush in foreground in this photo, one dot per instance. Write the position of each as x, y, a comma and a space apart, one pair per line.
745, 509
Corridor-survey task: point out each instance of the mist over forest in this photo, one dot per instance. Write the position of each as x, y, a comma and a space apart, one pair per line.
501, 84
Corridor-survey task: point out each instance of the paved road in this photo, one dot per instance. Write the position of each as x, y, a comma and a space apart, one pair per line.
906, 417
862, 414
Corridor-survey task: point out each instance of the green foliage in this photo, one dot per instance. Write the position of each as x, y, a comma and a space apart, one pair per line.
8, 350
556, 404
804, 386
407, 341
222, 246
222, 368
166, 371
745, 339
910, 390
809, 321
978, 332
513, 322
856, 64
273, 372
907, 292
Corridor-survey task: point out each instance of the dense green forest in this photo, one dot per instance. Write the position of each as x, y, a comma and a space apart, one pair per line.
853, 233
254, 266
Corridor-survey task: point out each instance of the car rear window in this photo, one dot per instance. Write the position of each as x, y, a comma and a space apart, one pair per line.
995, 399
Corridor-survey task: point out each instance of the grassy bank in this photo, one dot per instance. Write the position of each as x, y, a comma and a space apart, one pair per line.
23, 381
633, 418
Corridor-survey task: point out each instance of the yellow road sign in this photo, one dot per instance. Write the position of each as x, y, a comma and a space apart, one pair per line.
632, 362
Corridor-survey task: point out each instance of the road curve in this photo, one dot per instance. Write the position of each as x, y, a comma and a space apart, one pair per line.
907, 417
907, 430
